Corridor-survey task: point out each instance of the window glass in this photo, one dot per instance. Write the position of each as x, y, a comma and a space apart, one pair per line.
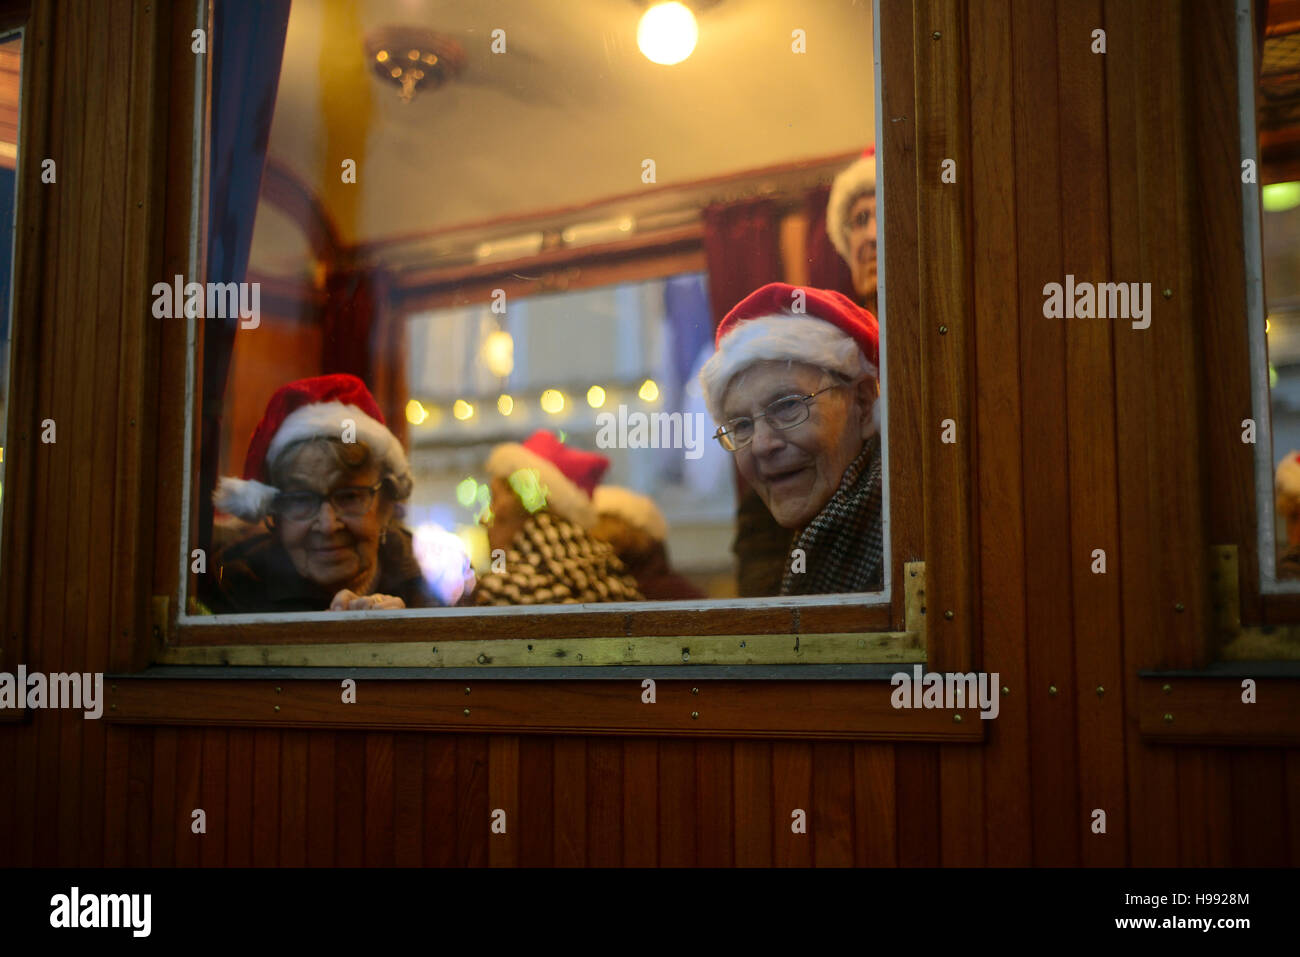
465, 270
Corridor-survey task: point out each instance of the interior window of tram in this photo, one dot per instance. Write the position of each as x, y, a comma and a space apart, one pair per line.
386, 426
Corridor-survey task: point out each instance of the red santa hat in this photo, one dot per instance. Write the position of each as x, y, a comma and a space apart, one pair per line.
568, 475
637, 510
854, 180
818, 327
308, 408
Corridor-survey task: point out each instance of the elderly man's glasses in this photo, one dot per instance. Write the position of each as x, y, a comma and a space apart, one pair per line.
351, 501
784, 413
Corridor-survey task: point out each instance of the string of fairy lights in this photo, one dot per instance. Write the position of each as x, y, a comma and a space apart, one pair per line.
553, 402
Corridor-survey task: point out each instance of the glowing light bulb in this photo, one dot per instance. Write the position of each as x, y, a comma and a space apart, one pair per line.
595, 397
553, 401
415, 412
649, 390
467, 492
462, 410
1279, 197
667, 33
505, 405
499, 353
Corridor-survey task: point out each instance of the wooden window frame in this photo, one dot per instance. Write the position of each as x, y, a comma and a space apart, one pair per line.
928, 224
30, 207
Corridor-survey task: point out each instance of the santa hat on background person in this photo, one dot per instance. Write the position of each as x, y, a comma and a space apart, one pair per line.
308, 408
568, 475
855, 179
831, 333
636, 509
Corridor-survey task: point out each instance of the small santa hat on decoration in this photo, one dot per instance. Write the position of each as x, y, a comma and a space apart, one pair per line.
301, 410
819, 327
855, 179
636, 509
568, 475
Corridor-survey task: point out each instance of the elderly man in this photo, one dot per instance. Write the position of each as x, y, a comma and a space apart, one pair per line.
851, 223
793, 386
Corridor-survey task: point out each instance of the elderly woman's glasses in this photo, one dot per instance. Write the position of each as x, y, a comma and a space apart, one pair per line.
351, 501
784, 413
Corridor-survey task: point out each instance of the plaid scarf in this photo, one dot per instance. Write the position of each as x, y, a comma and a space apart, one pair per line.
842, 545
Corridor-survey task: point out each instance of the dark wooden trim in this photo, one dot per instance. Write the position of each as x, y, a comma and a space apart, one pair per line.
902, 348
831, 619
31, 254
534, 218
168, 377
643, 257
1220, 290
825, 710
946, 336
1176, 710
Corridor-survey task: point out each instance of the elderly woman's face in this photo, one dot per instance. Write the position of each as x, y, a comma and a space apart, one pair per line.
332, 550
796, 471
862, 245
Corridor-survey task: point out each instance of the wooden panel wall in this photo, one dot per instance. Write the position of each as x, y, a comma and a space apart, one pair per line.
1085, 437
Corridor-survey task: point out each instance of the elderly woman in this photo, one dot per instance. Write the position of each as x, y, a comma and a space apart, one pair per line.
794, 389
326, 476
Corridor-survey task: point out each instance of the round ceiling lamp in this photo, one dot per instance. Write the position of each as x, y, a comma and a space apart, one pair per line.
412, 58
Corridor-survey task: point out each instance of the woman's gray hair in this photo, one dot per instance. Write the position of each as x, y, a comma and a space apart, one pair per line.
350, 457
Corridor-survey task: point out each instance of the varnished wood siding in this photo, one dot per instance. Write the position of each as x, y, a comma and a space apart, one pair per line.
1083, 435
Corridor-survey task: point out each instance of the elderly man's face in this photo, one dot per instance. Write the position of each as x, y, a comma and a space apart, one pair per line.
332, 550
796, 471
862, 244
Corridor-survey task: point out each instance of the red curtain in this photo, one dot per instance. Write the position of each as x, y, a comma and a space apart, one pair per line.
361, 336
826, 268
247, 48
742, 246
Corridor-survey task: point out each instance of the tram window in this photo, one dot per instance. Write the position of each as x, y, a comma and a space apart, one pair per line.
466, 266
1273, 266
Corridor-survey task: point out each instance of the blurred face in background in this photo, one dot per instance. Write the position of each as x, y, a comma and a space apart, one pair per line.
862, 245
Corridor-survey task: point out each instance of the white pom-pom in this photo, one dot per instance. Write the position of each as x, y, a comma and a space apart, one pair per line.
244, 498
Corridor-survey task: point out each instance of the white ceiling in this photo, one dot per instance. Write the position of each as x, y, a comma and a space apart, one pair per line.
565, 116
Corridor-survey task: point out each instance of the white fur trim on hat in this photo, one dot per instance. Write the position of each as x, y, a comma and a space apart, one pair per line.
244, 498
326, 419
855, 179
251, 500
806, 339
564, 497
634, 508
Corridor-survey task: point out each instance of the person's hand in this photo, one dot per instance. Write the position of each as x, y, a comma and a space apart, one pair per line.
348, 600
